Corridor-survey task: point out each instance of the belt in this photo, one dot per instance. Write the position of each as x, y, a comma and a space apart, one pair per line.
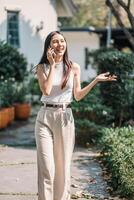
58, 105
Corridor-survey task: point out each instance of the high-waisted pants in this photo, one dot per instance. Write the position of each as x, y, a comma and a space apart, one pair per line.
55, 137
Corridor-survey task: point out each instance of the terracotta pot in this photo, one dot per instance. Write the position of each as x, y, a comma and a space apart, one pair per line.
4, 118
11, 114
22, 111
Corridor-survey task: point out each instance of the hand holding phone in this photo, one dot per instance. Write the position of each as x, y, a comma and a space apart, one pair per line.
51, 55
53, 52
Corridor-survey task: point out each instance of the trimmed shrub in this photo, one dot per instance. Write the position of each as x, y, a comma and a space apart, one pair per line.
90, 115
119, 96
12, 63
118, 149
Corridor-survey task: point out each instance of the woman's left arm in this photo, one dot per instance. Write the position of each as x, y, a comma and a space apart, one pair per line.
81, 93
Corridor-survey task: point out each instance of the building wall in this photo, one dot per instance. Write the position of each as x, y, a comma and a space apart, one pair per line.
77, 42
31, 15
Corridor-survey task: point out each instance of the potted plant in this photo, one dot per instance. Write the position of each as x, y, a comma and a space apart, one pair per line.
3, 113
9, 93
13, 65
22, 104
4, 104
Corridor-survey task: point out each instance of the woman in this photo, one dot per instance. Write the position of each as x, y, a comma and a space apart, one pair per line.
59, 81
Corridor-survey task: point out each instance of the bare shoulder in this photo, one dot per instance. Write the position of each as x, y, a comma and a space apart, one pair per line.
75, 67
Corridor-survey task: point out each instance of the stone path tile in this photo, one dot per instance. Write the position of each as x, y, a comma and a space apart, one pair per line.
87, 174
18, 197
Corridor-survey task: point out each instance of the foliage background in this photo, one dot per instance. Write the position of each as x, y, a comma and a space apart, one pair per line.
94, 13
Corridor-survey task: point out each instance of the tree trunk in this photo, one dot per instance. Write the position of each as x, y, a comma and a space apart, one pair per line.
120, 22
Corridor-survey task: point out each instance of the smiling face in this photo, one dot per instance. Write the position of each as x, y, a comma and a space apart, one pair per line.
58, 43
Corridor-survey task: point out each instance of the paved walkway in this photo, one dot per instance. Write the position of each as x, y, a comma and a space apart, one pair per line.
18, 167
18, 174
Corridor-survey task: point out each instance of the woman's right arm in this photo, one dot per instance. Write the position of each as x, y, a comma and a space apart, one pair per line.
45, 82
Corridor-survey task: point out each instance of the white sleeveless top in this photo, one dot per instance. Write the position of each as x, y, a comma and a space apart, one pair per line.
58, 95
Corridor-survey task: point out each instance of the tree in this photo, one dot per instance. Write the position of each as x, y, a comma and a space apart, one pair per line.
94, 13
127, 7
89, 13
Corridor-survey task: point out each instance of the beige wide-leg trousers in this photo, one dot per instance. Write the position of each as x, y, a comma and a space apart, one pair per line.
55, 137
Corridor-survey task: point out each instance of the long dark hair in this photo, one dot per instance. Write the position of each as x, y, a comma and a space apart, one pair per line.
66, 62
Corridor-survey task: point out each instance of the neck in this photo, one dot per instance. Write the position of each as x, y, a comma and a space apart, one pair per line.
59, 59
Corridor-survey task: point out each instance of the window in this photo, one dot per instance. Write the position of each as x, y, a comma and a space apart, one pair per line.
13, 28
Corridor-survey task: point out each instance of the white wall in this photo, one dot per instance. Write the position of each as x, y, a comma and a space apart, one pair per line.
77, 42
31, 14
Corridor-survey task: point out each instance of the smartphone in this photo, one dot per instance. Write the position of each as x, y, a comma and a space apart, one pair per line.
53, 52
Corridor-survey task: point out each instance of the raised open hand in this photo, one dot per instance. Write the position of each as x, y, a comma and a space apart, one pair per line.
106, 77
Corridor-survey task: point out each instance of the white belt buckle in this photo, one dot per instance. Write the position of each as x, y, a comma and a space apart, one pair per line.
64, 106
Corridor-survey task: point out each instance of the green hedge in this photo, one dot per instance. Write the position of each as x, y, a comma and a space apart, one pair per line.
109, 103
90, 115
12, 63
118, 149
119, 96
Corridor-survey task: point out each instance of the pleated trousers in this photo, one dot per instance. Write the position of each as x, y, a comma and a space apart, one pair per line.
55, 138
